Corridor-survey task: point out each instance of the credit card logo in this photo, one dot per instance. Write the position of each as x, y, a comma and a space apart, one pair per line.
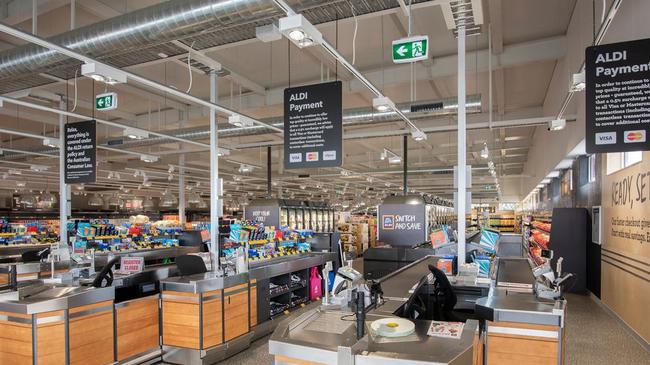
606, 138
329, 155
295, 157
634, 136
311, 156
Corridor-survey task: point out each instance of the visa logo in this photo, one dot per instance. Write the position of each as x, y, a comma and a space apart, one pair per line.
606, 138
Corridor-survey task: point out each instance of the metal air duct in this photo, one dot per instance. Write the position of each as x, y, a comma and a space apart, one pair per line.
157, 24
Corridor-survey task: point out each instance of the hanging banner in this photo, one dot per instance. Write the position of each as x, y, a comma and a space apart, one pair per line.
313, 128
402, 224
618, 97
80, 152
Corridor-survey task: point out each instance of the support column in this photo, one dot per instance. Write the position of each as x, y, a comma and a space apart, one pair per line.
462, 148
63, 194
214, 175
268, 172
405, 158
181, 187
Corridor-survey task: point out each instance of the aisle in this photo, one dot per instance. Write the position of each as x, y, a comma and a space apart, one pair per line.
601, 339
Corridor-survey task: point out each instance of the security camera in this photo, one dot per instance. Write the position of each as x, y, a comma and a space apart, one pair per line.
556, 124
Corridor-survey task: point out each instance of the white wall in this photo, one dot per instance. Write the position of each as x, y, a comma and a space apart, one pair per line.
549, 148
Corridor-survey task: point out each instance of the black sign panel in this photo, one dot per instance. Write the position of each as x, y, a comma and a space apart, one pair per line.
80, 152
402, 224
269, 215
313, 132
618, 97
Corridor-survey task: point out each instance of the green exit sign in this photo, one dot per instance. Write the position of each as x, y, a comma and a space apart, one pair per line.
411, 49
106, 101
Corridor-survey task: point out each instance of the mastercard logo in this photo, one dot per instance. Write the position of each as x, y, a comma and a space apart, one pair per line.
635, 136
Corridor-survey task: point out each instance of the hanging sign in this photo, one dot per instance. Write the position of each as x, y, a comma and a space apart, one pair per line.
411, 49
402, 224
107, 101
80, 152
313, 128
618, 97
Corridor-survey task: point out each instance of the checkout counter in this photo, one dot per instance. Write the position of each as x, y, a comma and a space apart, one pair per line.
143, 317
510, 324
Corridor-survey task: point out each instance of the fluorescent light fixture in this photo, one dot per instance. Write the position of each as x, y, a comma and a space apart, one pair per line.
14, 172
418, 135
51, 142
244, 168
103, 73
162, 55
148, 158
553, 174
577, 82
135, 133
557, 124
223, 152
268, 33
383, 104
240, 121
394, 160
485, 153
300, 31
21, 184
38, 168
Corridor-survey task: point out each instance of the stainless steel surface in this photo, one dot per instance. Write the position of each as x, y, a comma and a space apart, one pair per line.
423, 349
283, 265
201, 283
44, 298
514, 272
524, 308
101, 258
17, 250
397, 284
212, 355
307, 338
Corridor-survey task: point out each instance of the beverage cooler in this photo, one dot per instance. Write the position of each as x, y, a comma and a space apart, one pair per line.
315, 216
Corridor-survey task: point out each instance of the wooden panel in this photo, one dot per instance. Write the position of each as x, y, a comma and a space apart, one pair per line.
291, 360
15, 343
180, 324
477, 350
529, 326
253, 305
502, 358
625, 274
137, 327
522, 346
236, 315
235, 288
51, 340
212, 322
91, 335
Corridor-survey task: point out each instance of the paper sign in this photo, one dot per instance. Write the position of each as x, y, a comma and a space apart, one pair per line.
132, 264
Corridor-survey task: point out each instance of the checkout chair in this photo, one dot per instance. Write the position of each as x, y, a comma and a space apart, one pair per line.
190, 265
444, 299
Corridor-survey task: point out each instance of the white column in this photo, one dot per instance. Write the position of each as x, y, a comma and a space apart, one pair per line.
63, 194
462, 149
214, 175
181, 181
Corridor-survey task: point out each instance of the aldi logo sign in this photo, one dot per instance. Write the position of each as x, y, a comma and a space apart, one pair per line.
388, 222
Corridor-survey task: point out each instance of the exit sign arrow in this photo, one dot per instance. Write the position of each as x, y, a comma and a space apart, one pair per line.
411, 49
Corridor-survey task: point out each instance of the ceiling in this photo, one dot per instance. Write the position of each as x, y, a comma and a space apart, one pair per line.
528, 39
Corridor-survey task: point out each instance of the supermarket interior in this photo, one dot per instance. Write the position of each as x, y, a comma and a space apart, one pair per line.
311, 182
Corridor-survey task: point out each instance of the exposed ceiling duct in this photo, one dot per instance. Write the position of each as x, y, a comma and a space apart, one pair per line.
149, 31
